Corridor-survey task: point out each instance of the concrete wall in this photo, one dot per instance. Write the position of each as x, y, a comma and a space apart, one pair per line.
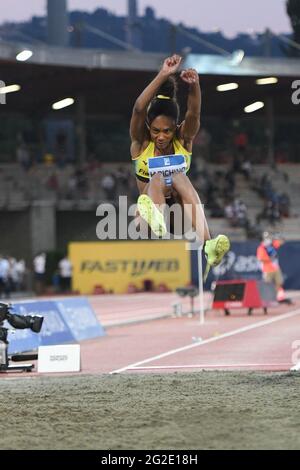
15, 237
75, 226
23, 234
43, 227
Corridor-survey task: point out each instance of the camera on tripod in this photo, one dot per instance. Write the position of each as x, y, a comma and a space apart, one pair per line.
19, 322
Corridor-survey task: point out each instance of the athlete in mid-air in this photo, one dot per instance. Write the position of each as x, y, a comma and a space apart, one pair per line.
155, 131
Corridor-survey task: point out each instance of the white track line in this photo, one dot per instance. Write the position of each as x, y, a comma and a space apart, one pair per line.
211, 340
210, 366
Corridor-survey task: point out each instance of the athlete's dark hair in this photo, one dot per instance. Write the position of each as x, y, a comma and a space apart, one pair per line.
165, 103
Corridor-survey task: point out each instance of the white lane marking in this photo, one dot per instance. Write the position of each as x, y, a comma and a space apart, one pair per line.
210, 366
210, 340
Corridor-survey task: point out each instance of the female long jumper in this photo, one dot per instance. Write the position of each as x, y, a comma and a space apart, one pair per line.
155, 131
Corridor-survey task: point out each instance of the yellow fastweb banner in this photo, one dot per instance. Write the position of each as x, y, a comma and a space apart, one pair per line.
115, 265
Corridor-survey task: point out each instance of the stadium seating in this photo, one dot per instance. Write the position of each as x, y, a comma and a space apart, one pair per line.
18, 189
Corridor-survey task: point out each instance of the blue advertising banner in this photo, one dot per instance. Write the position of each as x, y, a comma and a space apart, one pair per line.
241, 263
65, 321
289, 259
80, 318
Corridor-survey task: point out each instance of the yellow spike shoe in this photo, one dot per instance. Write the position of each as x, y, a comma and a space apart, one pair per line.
152, 215
215, 250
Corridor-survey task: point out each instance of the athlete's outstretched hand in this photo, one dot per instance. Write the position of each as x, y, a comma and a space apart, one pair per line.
190, 76
171, 64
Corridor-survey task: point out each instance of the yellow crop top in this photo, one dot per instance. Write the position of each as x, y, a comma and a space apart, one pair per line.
141, 162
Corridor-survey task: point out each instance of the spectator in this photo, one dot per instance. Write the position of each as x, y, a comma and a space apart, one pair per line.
267, 254
216, 211
56, 281
240, 210
21, 271
108, 184
284, 205
39, 266
4, 277
65, 272
270, 212
241, 142
52, 182
246, 169
230, 214
13, 274
229, 186
71, 187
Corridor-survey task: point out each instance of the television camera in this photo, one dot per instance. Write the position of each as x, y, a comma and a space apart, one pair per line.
19, 322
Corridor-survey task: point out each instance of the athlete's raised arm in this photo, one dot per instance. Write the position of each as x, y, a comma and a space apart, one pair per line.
139, 114
191, 124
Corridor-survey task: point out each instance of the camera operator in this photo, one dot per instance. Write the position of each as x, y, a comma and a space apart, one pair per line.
267, 254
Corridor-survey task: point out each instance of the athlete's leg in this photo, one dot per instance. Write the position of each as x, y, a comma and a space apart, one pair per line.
156, 190
150, 204
214, 249
192, 206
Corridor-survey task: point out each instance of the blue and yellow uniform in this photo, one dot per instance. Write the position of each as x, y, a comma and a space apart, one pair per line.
141, 162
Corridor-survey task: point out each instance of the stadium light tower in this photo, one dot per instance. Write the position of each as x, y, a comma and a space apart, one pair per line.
57, 23
134, 37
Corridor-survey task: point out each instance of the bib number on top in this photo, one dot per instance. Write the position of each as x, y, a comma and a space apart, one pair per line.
167, 166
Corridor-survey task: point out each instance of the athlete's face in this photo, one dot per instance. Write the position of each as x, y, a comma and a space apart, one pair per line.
162, 131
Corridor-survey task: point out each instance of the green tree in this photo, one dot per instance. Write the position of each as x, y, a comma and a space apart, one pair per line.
293, 10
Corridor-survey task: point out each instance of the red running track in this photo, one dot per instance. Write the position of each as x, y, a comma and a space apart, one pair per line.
117, 310
241, 342
166, 344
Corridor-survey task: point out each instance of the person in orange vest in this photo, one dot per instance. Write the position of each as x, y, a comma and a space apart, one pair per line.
267, 254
